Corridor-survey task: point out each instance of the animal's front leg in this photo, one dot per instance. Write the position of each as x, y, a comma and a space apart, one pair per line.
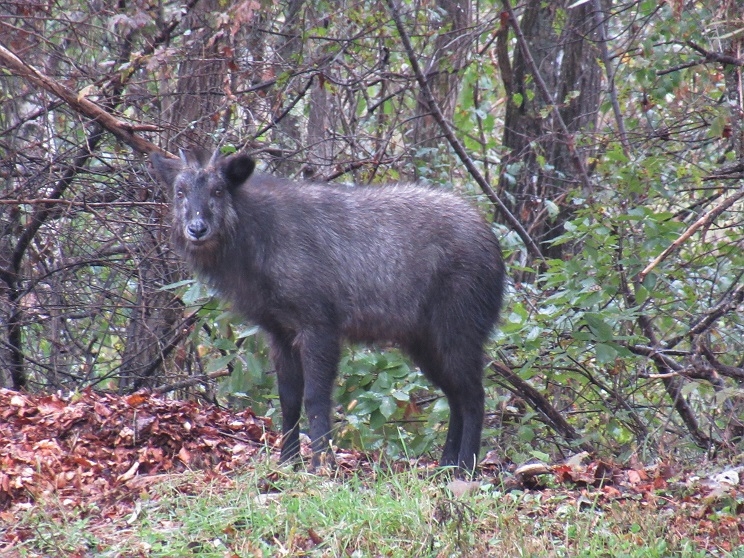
291, 385
319, 353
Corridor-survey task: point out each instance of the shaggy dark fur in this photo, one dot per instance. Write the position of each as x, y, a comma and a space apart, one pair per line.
314, 265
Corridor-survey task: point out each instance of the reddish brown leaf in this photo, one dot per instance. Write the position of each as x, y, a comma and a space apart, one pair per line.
317, 539
137, 399
94, 445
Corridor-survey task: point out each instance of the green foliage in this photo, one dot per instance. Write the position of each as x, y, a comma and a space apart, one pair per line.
222, 342
381, 396
618, 352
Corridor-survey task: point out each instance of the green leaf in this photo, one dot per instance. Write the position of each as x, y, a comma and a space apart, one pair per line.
388, 406
220, 363
402, 396
540, 455
605, 353
193, 294
177, 285
602, 330
377, 420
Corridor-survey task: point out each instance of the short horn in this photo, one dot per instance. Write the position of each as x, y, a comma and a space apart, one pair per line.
183, 156
214, 157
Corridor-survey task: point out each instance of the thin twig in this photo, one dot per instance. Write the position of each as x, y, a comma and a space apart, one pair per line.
610, 72
192, 381
456, 144
78, 203
287, 109
681, 67
704, 221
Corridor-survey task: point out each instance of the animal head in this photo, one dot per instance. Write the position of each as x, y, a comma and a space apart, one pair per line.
202, 191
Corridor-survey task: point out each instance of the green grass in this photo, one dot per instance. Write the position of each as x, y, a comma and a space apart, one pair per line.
269, 512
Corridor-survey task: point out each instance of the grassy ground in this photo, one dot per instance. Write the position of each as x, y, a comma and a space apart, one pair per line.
270, 512
99, 475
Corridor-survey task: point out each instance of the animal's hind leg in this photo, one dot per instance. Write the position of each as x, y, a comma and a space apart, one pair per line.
425, 358
464, 390
472, 401
451, 450
460, 376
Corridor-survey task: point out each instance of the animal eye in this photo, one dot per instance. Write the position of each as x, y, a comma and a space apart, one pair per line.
218, 193
179, 193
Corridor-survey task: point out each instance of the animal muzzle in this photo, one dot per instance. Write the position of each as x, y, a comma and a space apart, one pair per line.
197, 230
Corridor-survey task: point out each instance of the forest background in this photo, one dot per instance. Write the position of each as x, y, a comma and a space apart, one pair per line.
605, 139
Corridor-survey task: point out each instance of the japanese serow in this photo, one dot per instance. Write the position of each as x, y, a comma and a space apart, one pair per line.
315, 265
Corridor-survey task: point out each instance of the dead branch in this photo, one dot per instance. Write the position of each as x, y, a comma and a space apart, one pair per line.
192, 381
703, 221
453, 140
708, 56
728, 172
723, 369
669, 373
75, 203
711, 56
79, 103
684, 66
728, 303
541, 405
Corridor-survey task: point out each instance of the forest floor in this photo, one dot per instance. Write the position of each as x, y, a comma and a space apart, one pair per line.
96, 459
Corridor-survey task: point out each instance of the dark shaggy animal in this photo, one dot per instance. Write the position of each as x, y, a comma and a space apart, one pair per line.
314, 265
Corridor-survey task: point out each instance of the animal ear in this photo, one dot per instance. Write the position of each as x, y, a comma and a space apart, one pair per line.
236, 169
166, 168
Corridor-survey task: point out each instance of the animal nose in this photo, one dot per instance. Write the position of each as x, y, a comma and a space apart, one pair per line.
197, 229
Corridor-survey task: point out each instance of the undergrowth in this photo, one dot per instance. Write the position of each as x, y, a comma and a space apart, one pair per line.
280, 512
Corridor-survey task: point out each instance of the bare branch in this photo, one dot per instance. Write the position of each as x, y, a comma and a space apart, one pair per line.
730, 301
711, 56
41, 214
74, 203
456, 144
192, 381
723, 369
669, 373
541, 405
708, 56
681, 67
120, 129
704, 221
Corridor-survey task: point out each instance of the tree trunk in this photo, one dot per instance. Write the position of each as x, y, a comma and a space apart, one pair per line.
194, 117
199, 95
319, 146
540, 172
154, 316
11, 354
